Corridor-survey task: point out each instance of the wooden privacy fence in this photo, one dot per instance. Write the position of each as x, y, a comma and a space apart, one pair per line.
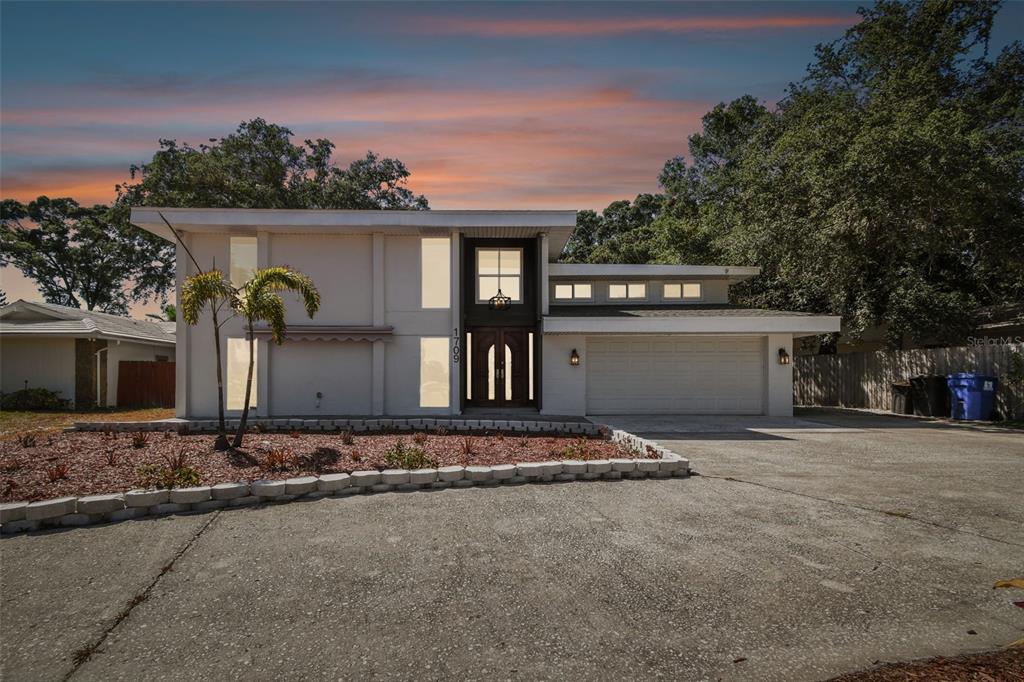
865, 379
145, 384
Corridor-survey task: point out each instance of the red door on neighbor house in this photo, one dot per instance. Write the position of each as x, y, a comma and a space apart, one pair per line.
499, 371
145, 384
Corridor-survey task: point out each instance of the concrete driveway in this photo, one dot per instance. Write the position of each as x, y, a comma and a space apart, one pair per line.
803, 550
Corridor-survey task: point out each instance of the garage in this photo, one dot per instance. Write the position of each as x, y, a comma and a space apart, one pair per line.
675, 375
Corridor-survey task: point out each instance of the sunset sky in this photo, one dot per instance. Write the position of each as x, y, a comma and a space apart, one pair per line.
490, 105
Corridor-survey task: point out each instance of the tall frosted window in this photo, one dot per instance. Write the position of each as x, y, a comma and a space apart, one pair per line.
238, 367
434, 371
436, 272
243, 260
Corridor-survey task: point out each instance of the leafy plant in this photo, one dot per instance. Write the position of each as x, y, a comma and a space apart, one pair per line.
175, 473
347, 437
467, 446
111, 457
400, 456
278, 459
140, 439
523, 442
57, 472
420, 438
27, 440
33, 399
579, 448
441, 431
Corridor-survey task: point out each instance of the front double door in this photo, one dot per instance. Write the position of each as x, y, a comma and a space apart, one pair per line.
499, 367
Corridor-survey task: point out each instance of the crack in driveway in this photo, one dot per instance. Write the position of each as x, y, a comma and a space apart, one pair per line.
85, 654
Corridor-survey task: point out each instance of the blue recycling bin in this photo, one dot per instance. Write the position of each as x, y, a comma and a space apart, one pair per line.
971, 396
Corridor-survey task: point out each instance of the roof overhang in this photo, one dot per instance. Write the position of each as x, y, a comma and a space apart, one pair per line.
595, 271
558, 225
797, 325
7, 332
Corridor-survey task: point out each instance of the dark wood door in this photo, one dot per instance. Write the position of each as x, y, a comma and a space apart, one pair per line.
500, 371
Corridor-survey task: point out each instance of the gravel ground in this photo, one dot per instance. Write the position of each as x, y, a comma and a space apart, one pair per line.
104, 463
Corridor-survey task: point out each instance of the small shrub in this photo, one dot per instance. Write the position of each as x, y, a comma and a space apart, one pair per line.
27, 440
467, 446
356, 457
500, 436
441, 431
293, 433
140, 439
57, 472
400, 456
111, 457
420, 438
347, 437
33, 399
579, 448
523, 442
604, 433
156, 476
278, 459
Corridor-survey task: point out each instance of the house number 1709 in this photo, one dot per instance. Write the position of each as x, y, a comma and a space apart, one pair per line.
456, 350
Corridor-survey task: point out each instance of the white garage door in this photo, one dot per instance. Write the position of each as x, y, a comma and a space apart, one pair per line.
674, 375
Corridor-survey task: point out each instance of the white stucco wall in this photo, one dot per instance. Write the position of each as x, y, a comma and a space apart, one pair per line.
126, 350
44, 363
563, 387
779, 386
355, 377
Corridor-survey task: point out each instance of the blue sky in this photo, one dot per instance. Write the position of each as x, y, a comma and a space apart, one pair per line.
491, 105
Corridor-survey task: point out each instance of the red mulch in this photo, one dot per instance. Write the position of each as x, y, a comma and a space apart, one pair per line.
106, 463
1006, 665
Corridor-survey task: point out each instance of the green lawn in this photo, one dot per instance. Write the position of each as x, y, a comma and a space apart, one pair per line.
14, 423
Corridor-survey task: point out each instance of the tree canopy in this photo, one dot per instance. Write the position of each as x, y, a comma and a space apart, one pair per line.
258, 166
84, 257
886, 187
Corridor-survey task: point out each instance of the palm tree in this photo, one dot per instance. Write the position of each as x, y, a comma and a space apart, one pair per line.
199, 291
258, 301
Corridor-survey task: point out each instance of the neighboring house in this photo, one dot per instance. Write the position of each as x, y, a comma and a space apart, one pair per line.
64, 349
408, 323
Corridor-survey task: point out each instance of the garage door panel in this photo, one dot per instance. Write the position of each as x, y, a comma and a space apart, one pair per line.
675, 375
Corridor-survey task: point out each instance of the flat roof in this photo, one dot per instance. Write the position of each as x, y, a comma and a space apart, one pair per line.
558, 224
692, 310
616, 271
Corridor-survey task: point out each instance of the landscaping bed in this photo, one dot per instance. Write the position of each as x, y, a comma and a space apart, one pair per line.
75, 464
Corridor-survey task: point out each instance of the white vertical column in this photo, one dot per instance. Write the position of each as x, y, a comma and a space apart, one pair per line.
544, 273
779, 379
182, 331
377, 390
458, 369
263, 345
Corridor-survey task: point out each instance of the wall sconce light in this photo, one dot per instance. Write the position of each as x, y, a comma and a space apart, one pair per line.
574, 358
783, 357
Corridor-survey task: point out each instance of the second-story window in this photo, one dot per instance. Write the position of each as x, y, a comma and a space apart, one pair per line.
580, 291
630, 290
499, 269
687, 291
242, 257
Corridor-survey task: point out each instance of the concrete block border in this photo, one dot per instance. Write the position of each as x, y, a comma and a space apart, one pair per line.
18, 517
356, 425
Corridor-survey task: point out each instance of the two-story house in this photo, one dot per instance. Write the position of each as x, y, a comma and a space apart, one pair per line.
455, 312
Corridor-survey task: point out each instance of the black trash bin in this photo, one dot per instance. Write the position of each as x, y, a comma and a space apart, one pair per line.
901, 401
929, 396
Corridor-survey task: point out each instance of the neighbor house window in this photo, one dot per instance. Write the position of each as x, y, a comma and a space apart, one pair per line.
238, 368
685, 291
499, 269
580, 291
630, 290
242, 263
436, 272
434, 371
